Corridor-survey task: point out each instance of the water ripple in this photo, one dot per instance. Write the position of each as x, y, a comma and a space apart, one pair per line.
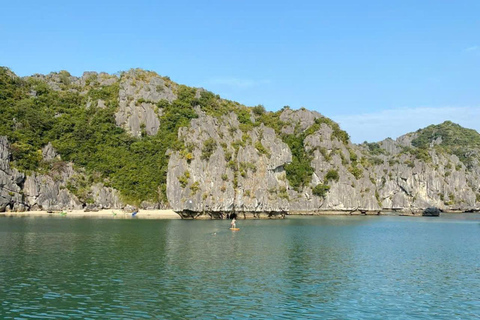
304, 268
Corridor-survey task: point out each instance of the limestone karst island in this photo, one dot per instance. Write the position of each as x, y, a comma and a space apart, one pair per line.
136, 140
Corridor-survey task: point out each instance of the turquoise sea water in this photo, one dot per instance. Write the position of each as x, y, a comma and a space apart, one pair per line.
299, 268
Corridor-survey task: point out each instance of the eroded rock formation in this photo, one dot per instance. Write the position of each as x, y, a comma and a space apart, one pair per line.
222, 166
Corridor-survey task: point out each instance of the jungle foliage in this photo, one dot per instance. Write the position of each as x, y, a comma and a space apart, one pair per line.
89, 137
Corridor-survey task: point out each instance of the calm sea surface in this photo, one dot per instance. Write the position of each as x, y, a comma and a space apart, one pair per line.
298, 268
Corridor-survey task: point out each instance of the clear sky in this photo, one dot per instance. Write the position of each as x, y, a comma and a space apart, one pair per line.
379, 68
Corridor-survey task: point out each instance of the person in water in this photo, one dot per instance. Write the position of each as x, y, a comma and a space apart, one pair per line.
233, 223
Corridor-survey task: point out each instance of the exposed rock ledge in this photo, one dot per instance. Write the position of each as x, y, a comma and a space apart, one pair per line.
229, 215
281, 215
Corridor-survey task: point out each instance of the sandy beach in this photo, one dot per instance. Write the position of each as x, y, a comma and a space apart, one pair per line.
107, 213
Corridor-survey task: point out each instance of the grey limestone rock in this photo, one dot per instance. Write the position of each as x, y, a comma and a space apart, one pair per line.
221, 170
92, 78
139, 92
105, 197
390, 180
235, 177
348, 193
407, 183
300, 119
10, 180
431, 212
50, 191
49, 152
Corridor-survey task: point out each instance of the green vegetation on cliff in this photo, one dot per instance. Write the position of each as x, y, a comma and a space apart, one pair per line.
448, 137
89, 137
299, 171
85, 133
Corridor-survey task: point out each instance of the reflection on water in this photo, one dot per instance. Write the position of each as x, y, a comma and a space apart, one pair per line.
308, 267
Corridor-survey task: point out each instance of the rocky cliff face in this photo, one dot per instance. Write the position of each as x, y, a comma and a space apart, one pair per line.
230, 159
11, 181
238, 177
407, 183
348, 193
49, 191
139, 92
225, 172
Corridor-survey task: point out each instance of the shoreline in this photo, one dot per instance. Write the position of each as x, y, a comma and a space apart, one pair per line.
168, 214
104, 214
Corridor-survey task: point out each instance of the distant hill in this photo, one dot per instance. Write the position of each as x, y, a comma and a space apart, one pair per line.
450, 138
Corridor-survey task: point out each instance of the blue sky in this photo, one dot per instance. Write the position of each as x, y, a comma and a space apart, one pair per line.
379, 68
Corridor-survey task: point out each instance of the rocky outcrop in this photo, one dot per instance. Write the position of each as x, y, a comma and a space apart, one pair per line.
139, 92
236, 177
59, 191
298, 120
11, 181
105, 197
431, 212
46, 192
220, 171
50, 191
229, 162
348, 193
407, 183
53, 191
